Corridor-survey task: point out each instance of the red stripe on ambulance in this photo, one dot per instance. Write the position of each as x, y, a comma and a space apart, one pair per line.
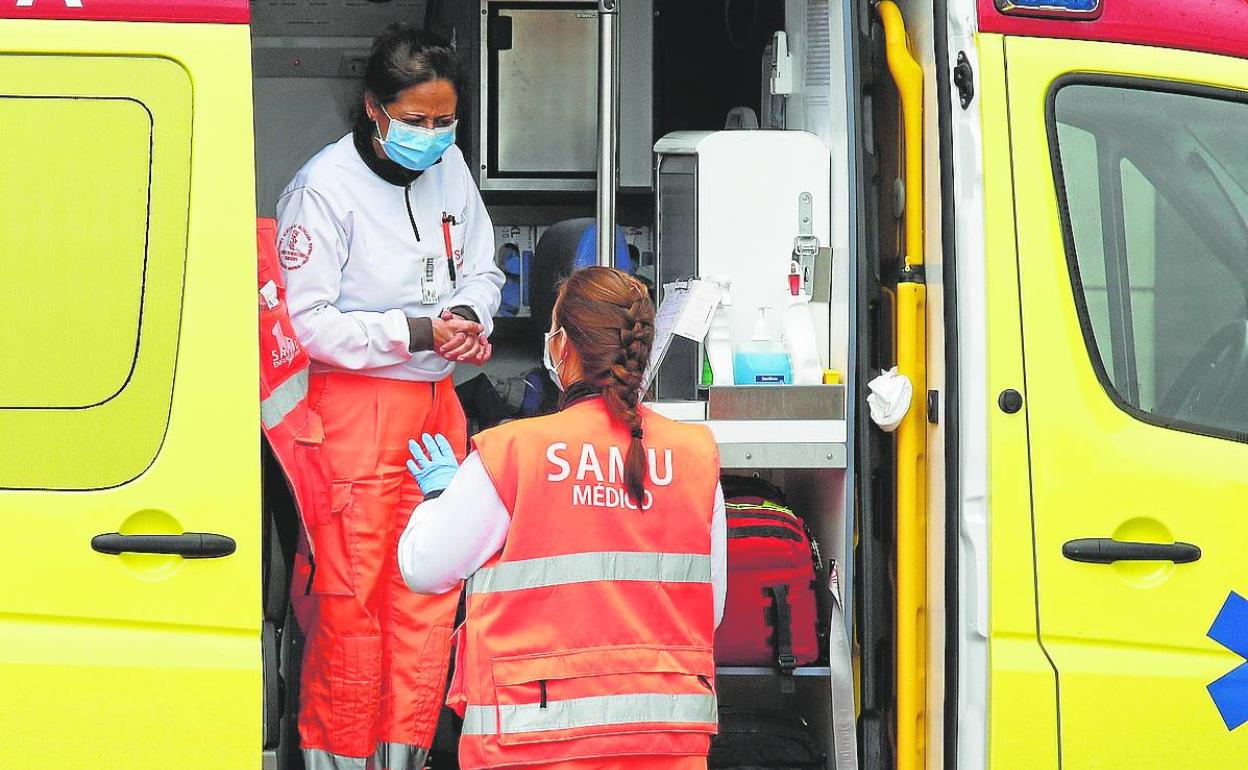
181, 11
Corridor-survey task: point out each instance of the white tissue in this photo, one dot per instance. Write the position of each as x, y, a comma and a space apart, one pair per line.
889, 399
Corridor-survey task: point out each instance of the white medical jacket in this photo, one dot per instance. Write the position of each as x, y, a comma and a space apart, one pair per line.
355, 250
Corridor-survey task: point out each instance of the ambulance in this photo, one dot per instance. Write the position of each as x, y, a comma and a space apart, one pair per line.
1036, 211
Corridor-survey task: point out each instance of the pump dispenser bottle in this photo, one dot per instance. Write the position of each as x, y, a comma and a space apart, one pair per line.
762, 360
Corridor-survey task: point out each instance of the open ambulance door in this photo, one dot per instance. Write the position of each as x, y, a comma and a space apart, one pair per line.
1120, 431
129, 473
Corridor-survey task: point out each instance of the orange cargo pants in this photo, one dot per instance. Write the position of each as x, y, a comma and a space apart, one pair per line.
375, 665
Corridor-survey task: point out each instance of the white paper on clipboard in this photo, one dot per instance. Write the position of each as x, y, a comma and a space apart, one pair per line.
686, 310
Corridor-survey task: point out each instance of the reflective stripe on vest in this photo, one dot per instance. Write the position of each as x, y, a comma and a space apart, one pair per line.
590, 712
283, 399
591, 567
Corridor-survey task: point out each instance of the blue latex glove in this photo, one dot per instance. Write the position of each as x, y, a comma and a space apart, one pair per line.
432, 471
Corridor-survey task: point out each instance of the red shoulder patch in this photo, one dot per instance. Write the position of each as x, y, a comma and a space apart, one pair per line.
295, 247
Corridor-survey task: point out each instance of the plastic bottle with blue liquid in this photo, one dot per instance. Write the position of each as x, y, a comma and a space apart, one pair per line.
762, 360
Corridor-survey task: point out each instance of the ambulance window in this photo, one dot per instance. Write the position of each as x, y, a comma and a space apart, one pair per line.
1156, 213
77, 231
92, 253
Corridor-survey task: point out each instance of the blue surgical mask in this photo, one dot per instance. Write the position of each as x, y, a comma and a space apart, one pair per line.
415, 148
551, 367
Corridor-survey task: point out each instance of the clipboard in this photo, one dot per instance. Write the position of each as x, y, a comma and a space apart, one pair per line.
686, 310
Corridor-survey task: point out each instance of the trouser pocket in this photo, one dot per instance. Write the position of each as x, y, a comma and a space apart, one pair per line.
355, 693
331, 571
325, 567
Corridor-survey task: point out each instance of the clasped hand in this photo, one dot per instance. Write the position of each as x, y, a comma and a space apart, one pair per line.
458, 339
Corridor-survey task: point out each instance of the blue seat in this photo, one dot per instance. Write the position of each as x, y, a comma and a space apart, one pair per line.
565, 247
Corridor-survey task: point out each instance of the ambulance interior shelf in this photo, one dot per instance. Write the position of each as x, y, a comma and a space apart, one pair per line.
806, 455
748, 441
816, 496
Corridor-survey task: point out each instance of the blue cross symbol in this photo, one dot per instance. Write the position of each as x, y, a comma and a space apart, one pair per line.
1230, 629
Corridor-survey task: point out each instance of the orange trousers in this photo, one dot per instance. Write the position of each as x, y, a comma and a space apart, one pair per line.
375, 664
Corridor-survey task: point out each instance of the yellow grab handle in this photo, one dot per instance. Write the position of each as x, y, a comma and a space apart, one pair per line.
908, 76
911, 481
912, 532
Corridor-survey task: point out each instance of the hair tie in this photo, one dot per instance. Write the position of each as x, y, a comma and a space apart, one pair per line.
637, 433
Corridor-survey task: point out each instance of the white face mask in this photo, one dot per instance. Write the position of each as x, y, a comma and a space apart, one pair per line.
551, 367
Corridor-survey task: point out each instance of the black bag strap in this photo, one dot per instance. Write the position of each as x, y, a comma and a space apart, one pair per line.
780, 617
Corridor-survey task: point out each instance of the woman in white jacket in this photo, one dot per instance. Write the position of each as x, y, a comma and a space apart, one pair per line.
388, 256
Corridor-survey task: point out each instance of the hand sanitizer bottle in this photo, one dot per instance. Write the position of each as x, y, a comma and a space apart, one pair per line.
762, 360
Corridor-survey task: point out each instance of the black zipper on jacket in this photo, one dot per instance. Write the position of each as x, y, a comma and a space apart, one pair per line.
407, 201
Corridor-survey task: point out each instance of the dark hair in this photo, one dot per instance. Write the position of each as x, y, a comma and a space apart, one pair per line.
404, 56
608, 318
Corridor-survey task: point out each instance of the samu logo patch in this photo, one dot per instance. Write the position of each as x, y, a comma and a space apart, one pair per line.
295, 247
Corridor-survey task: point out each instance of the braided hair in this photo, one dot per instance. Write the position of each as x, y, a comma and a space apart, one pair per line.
609, 320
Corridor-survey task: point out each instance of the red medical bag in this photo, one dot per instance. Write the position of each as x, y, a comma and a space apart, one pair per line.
771, 614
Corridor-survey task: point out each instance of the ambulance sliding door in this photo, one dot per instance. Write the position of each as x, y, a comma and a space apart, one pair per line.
128, 405
1130, 168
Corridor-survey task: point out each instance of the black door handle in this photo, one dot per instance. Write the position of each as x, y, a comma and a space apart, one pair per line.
1104, 550
189, 545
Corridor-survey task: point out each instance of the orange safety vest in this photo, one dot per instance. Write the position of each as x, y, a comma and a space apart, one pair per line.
293, 430
590, 634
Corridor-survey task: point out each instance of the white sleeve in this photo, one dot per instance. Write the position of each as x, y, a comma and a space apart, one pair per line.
449, 537
480, 281
315, 247
719, 554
